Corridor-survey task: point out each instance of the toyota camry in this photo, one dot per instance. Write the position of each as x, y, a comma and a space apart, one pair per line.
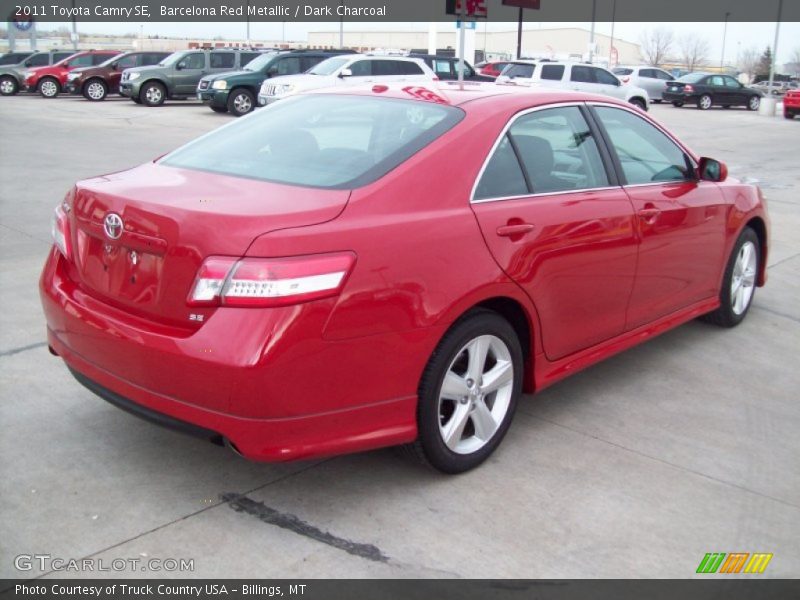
394, 265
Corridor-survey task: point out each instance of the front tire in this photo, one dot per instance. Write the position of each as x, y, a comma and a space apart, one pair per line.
95, 90
753, 103
468, 393
153, 93
8, 85
677, 104
739, 282
241, 102
219, 109
48, 88
705, 102
639, 103
788, 115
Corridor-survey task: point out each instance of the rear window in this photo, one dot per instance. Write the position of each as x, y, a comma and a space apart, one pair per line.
622, 71
333, 142
692, 77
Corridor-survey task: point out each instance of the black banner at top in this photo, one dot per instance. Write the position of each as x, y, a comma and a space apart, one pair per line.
144, 11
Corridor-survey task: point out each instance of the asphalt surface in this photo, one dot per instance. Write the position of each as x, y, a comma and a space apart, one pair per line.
636, 467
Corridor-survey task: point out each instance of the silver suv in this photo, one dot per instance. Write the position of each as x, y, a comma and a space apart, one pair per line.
572, 76
652, 79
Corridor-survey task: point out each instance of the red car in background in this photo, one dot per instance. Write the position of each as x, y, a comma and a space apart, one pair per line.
791, 104
492, 69
317, 278
51, 80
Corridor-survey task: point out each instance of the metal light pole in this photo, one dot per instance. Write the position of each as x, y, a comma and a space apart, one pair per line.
591, 36
341, 27
461, 41
519, 34
724, 37
775, 45
74, 29
613, 23
248, 23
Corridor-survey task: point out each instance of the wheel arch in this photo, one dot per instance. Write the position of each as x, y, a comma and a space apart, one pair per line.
758, 225
156, 80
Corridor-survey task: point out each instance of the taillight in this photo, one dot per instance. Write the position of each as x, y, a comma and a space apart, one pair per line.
626, 79
270, 281
60, 230
688, 88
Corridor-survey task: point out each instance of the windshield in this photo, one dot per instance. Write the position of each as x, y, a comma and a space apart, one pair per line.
328, 67
692, 77
260, 62
623, 71
320, 140
171, 59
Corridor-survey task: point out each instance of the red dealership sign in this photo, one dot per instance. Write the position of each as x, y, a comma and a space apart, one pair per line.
532, 4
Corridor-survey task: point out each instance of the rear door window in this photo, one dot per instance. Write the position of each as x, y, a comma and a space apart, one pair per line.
581, 74
307, 62
193, 61
442, 68
100, 58
552, 72
38, 60
59, 56
222, 60
502, 177
361, 68
81, 61
126, 62
246, 57
288, 65
604, 77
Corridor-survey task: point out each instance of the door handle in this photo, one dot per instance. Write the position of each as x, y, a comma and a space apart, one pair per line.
649, 215
517, 230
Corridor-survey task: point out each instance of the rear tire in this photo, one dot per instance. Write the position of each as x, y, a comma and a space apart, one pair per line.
677, 104
468, 393
95, 90
639, 103
789, 116
739, 281
153, 93
8, 85
241, 102
753, 103
48, 87
705, 102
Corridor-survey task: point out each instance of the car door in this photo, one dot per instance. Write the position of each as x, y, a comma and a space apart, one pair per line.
608, 84
649, 81
719, 93
735, 90
188, 72
558, 225
581, 79
114, 74
681, 220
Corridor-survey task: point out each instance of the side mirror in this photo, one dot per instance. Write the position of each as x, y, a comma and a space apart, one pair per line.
713, 170
180, 66
345, 73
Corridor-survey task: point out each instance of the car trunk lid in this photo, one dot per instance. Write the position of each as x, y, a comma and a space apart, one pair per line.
141, 235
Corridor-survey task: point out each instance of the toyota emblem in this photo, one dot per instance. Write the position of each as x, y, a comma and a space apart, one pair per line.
112, 225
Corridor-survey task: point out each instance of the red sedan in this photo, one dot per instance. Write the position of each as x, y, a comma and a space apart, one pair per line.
791, 104
357, 269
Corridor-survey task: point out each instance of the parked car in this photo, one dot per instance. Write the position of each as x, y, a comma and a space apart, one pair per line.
52, 80
446, 68
708, 89
13, 58
651, 79
492, 69
352, 70
791, 104
573, 76
176, 77
778, 88
235, 91
95, 83
12, 77
352, 269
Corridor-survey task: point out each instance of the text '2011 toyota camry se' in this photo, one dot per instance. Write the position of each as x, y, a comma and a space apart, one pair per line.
385, 266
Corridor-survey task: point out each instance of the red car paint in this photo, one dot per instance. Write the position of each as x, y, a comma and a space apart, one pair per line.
60, 70
791, 104
493, 69
340, 373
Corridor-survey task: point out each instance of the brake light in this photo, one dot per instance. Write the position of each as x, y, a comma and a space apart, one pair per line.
688, 88
264, 282
626, 79
60, 230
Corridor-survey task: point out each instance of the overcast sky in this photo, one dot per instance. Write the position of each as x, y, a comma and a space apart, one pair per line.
740, 35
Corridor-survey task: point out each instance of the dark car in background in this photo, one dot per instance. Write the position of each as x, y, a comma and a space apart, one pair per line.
176, 77
95, 83
12, 77
710, 89
446, 68
13, 58
235, 91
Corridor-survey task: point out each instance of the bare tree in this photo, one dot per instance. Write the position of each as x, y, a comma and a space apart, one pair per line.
656, 44
694, 51
794, 62
749, 61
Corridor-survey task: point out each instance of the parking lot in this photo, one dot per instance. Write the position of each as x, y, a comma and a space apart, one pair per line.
636, 467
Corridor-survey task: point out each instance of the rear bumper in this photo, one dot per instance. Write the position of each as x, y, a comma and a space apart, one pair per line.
678, 97
258, 378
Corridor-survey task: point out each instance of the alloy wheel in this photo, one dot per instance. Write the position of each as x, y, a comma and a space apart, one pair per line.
153, 95
242, 104
755, 102
48, 88
744, 278
476, 394
7, 87
705, 102
96, 91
